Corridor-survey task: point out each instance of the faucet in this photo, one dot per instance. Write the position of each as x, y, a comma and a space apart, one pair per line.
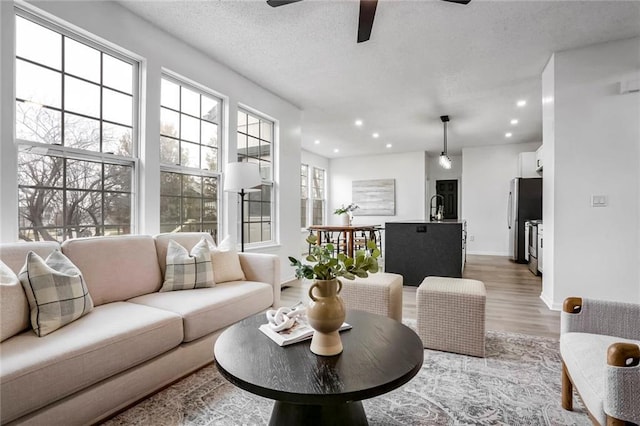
431, 207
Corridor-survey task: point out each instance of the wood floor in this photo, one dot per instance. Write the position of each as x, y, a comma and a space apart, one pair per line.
513, 297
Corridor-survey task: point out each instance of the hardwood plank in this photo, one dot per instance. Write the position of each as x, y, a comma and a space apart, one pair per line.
513, 297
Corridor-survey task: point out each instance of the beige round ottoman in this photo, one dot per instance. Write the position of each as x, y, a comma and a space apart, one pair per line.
451, 315
379, 293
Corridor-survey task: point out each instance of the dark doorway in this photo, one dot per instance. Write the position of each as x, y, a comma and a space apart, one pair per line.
449, 190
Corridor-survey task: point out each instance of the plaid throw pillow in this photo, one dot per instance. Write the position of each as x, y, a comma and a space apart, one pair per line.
186, 271
56, 291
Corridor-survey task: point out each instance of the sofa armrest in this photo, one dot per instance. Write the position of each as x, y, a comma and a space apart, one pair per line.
622, 382
264, 268
583, 315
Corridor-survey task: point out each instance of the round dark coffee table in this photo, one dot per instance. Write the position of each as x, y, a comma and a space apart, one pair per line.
380, 354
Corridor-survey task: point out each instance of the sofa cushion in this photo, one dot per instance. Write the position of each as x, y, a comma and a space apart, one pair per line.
37, 371
226, 262
14, 308
14, 254
188, 270
185, 239
206, 310
56, 292
116, 268
585, 356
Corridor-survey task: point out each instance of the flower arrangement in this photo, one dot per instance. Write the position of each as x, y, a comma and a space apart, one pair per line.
328, 265
349, 209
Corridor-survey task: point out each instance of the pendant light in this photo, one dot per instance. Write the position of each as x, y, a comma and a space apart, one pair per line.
444, 160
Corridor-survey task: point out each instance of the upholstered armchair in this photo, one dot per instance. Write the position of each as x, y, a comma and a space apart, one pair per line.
600, 349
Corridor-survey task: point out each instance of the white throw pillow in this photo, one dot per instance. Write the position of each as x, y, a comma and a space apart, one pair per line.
226, 262
186, 271
14, 307
56, 291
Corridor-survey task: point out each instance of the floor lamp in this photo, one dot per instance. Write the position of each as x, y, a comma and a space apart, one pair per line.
242, 178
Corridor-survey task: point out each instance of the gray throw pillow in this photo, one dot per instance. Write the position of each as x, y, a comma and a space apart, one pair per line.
56, 291
186, 271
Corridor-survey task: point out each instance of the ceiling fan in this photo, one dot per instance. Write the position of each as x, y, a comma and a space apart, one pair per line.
367, 13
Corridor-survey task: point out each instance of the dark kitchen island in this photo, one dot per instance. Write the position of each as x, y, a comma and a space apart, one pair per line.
418, 249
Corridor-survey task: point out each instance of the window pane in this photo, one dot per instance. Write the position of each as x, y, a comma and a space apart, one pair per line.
242, 122
117, 139
117, 209
81, 60
190, 102
170, 94
210, 188
81, 97
266, 231
190, 155
117, 74
38, 124
170, 211
170, 183
38, 43
169, 151
84, 175
117, 107
266, 131
38, 85
81, 132
303, 213
39, 208
253, 126
117, 178
191, 186
209, 158
210, 108
190, 128
192, 211
169, 123
39, 170
209, 134
84, 208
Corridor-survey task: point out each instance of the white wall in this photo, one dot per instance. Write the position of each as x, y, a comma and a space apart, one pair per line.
597, 136
485, 184
408, 170
435, 172
157, 49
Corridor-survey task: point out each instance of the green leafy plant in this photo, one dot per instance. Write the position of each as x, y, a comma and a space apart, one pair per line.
327, 265
348, 209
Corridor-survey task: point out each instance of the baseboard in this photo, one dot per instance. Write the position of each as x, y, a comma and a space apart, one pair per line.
549, 302
290, 282
488, 253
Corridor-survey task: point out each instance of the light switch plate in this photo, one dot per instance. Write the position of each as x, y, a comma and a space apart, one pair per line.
598, 201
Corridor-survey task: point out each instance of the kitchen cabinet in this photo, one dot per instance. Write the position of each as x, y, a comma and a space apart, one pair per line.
539, 159
418, 249
527, 165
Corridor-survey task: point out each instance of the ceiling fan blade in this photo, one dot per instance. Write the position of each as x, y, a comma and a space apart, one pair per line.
458, 1
276, 3
367, 13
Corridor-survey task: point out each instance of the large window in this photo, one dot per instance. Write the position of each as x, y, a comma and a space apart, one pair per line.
76, 128
304, 196
317, 196
189, 154
255, 145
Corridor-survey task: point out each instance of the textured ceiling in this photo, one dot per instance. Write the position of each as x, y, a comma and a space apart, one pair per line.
426, 58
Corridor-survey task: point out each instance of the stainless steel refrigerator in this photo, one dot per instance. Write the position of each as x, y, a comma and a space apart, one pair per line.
525, 203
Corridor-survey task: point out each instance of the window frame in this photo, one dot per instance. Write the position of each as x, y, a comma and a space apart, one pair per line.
306, 196
67, 31
182, 170
323, 199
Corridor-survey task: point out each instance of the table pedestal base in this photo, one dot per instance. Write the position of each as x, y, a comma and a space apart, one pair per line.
350, 413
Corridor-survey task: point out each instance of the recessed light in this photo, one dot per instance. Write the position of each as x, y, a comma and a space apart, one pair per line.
521, 103
336, 150
514, 121
508, 135
317, 141
358, 122
389, 145
376, 135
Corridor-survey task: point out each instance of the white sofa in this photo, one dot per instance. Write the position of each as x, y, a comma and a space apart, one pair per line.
135, 341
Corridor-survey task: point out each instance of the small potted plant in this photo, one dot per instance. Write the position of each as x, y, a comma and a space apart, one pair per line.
346, 213
326, 311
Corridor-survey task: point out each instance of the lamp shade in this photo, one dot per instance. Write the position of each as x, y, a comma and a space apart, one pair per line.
242, 176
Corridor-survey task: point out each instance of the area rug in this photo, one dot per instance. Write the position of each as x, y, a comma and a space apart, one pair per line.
518, 383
